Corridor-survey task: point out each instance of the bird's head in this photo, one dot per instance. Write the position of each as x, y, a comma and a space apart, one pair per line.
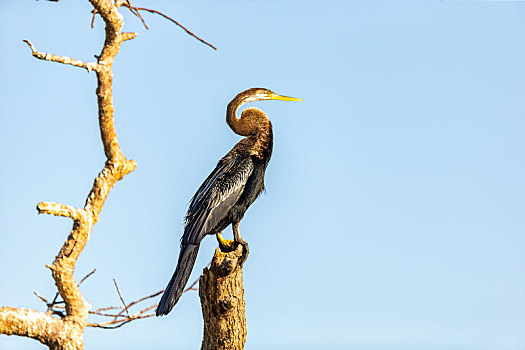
260, 94
252, 119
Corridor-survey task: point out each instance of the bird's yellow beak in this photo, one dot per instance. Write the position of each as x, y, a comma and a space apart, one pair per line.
274, 96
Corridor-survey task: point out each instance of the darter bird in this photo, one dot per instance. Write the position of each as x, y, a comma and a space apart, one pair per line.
229, 190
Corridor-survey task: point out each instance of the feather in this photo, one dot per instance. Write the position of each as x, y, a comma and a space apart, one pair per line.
211, 204
178, 281
214, 199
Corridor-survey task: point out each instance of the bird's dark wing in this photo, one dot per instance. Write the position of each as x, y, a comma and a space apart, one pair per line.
214, 199
212, 202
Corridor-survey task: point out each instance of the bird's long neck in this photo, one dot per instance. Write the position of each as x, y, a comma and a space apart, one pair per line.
237, 125
253, 123
264, 143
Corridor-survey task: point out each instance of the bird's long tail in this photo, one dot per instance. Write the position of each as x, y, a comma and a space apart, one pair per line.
178, 281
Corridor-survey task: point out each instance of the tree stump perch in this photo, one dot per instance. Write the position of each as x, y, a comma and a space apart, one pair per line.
222, 299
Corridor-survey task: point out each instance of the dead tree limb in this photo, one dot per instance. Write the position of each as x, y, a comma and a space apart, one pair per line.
67, 332
222, 299
136, 12
118, 315
62, 325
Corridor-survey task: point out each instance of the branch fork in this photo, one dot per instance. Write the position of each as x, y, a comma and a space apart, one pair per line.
64, 210
66, 331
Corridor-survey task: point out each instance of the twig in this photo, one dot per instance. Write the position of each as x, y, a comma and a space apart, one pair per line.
106, 325
87, 276
191, 286
128, 5
105, 314
145, 298
120, 319
105, 309
50, 306
41, 298
121, 299
136, 13
93, 18
54, 302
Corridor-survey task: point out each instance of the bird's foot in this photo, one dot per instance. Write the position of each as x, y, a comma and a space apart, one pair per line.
226, 245
245, 252
239, 240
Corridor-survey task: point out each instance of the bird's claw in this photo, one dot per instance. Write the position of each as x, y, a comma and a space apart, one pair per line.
245, 253
227, 245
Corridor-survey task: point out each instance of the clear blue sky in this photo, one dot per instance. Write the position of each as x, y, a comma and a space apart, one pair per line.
394, 212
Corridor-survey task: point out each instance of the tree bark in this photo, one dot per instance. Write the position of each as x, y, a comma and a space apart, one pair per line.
222, 299
66, 333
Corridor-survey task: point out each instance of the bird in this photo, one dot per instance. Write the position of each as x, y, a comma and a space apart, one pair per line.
226, 194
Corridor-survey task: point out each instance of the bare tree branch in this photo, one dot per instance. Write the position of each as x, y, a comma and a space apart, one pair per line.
30, 323
67, 333
61, 59
66, 330
59, 209
118, 319
121, 298
177, 23
136, 13
87, 276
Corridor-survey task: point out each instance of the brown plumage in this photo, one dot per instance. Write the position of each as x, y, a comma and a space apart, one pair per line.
229, 190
